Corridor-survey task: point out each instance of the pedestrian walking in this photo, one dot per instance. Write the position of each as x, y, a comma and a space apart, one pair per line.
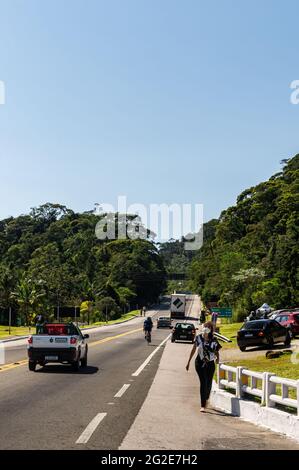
144, 311
214, 319
202, 316
207, 353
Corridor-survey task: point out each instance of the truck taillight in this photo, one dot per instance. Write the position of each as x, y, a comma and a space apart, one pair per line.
73, 340
30, 340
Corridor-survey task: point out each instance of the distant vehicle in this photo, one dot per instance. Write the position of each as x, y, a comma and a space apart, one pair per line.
183, 332
262, 333
274, 314
289, 320
178, 306
164, 322
58, 342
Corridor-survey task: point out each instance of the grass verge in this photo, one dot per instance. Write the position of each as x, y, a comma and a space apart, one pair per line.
24, 330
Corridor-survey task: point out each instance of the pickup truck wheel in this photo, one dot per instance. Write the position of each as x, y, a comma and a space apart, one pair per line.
76, 365
242, 348
32, 365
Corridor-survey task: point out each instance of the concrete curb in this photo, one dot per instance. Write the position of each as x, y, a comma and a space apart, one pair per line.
13, 339
270, 418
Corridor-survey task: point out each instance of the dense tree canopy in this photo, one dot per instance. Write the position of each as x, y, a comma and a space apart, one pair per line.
250, 255
52, 257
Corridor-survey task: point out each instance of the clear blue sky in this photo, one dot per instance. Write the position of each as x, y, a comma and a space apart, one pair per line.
161, 100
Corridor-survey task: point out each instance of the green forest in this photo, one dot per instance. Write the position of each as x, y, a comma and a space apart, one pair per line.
52, 257
250, 254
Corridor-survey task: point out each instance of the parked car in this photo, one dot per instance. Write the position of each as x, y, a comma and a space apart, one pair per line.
164, 322
57, 342
183, 332
262, 333
290, 320
276, 312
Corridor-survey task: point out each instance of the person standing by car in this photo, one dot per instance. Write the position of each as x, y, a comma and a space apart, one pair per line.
202, 316
214, 318
207, 353
39, 321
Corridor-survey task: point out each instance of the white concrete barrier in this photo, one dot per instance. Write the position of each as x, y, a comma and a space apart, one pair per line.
234, 383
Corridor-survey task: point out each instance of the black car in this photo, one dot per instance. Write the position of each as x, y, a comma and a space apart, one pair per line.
262, 333
164, 322
183, 332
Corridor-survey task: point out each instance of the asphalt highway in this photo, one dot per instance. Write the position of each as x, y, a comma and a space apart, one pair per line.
56, 408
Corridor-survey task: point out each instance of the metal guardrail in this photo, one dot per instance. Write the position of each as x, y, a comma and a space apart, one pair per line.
262, 385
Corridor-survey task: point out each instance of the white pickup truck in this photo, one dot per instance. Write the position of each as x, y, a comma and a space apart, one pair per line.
57, 342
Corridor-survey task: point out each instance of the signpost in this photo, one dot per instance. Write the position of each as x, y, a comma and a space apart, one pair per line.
223, 312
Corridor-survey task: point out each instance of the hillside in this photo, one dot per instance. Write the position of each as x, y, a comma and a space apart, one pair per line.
250, 254
52, 257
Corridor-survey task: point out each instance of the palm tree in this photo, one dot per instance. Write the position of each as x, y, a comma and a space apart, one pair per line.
27, 297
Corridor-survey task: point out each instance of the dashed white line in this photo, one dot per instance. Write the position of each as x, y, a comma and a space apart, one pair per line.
140, 369
123, 389
90, 429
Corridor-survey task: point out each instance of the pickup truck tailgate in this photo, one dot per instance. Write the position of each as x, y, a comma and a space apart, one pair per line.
50, 342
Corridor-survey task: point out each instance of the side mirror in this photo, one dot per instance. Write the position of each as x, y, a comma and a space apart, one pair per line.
85, 336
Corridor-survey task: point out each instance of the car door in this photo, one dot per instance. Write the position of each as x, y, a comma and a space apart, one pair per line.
280, 332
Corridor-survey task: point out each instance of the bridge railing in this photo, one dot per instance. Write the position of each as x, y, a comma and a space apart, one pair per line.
268, 389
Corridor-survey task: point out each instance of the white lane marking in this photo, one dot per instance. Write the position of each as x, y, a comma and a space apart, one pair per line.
90, 429
122, 391
140, 369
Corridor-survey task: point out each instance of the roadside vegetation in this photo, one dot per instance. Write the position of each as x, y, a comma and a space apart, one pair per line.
25, 330
281, 366
250, 254
52, 258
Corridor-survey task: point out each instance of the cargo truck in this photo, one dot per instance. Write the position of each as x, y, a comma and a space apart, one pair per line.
178, 306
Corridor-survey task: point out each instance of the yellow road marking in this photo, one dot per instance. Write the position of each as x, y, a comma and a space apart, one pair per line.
23, 362
13, 365
110, 338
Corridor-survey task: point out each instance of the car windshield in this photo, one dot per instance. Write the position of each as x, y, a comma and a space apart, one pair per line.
254, 325
163, 318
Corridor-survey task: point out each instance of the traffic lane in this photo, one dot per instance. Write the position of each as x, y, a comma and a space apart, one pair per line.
122, 413
50, 408
17, 350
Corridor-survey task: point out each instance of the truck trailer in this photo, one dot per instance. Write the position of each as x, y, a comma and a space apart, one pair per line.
178, 306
